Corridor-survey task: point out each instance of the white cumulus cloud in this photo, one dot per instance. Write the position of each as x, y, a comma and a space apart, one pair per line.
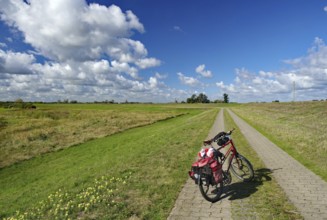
308, 74
186, 80
67, 29
201, 70
15, 63
89, 51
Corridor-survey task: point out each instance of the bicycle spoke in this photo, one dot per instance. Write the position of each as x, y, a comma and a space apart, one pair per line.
242, 168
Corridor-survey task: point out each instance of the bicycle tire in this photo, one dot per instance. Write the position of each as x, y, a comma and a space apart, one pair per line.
242, 168
211, 192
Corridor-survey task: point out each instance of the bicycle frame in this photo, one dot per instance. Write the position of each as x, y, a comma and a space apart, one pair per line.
231, 153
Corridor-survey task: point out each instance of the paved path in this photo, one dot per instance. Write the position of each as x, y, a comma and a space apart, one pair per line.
190, 205
307, 191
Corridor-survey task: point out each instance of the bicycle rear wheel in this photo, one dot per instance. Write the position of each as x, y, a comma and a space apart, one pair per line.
242, 168
210, 190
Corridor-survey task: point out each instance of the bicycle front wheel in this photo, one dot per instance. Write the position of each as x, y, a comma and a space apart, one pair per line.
242, 168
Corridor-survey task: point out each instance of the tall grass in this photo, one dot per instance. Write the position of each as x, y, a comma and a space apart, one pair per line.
150, 162
298, 128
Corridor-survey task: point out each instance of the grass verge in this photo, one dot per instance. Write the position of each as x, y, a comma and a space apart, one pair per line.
262, 198
149, 163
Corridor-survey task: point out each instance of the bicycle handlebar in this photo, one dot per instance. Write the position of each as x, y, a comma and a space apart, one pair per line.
231, 131
218, 136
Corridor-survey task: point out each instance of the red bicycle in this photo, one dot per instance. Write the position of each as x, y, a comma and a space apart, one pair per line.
208, 171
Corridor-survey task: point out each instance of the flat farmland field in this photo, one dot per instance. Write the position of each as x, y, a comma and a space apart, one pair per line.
94, 161
299, 128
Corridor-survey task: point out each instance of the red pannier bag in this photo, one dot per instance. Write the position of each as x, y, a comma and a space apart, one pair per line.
206, 158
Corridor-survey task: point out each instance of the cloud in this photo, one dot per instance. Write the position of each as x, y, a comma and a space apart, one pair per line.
89, 52
201, 70
190, 81
88, 81
147, 63
72, 29
177, 28
15, 63
153, 82
3, 45
325, 8
307, 73
160, 76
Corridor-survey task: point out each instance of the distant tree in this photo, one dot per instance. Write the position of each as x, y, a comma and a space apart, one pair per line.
201, 98
192, 99
218, 101
226, 99
19, 103
19, 100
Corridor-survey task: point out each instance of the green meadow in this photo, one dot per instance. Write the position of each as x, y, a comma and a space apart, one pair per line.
130, 161
135, 172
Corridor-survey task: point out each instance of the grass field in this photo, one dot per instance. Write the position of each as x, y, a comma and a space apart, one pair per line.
131, 161
298, 128
136, 173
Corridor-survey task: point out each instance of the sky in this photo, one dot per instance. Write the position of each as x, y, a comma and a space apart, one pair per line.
163, 51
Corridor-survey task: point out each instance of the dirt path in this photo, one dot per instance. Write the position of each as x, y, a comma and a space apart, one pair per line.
307, 191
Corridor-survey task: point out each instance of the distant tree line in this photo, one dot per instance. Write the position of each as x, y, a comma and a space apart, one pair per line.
66, 101
202, 98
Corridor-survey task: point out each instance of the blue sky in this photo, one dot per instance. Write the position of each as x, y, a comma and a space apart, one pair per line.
162, 51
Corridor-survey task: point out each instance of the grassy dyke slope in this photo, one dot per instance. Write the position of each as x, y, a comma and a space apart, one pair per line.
26, 133
298, 128
136, 173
